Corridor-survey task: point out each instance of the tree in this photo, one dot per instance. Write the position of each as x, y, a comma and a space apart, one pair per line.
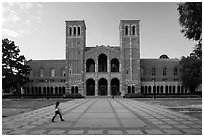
191, 19
14, 69
191, 22
191, 68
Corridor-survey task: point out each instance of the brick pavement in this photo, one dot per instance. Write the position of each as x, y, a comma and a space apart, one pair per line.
96, 116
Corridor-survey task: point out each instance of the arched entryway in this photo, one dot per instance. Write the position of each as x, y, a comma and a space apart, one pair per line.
102, 87
102, 63
115, 86
90, 87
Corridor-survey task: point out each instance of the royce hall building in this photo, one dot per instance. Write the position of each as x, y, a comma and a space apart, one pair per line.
104, 70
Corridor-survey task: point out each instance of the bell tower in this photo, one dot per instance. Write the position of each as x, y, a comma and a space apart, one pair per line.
75, 45
130, 57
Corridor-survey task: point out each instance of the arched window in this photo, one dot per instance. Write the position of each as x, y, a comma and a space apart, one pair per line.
78, 31
175, 71
70, 31
153, 71
133, 30
102, 63
74, 31
126, 30
164, 71
114, 65
90, 65
52, 72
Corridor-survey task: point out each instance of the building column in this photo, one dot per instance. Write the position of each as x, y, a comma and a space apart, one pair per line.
164, 89
120, 67
121, 88
96, 65
84, 91
109, 85
176, 86
96, 87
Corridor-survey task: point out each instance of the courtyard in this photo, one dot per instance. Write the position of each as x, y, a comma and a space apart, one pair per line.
104, 116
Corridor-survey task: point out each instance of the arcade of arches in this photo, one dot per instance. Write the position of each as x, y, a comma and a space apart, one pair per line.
44, 90
102, 64
168, 89
102, 89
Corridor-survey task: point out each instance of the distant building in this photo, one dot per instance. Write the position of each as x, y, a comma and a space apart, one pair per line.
104, 70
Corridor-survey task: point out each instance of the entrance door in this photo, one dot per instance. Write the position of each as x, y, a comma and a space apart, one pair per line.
102, 87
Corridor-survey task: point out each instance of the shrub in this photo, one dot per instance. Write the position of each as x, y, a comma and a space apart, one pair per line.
133, 95
72, 95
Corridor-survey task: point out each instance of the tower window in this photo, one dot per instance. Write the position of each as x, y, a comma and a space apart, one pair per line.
70, 31
133, 30
126, 30
79, 31
74, 31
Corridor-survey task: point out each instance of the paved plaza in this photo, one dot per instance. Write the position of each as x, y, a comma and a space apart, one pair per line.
105, 116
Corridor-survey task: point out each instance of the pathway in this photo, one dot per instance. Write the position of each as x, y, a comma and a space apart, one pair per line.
103, 116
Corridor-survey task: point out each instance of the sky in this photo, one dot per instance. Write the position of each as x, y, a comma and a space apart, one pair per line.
39, 28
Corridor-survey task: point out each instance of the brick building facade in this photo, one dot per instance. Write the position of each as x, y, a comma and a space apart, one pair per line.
103, 70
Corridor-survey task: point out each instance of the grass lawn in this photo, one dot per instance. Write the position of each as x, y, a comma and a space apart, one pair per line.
15, 106
189, 106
